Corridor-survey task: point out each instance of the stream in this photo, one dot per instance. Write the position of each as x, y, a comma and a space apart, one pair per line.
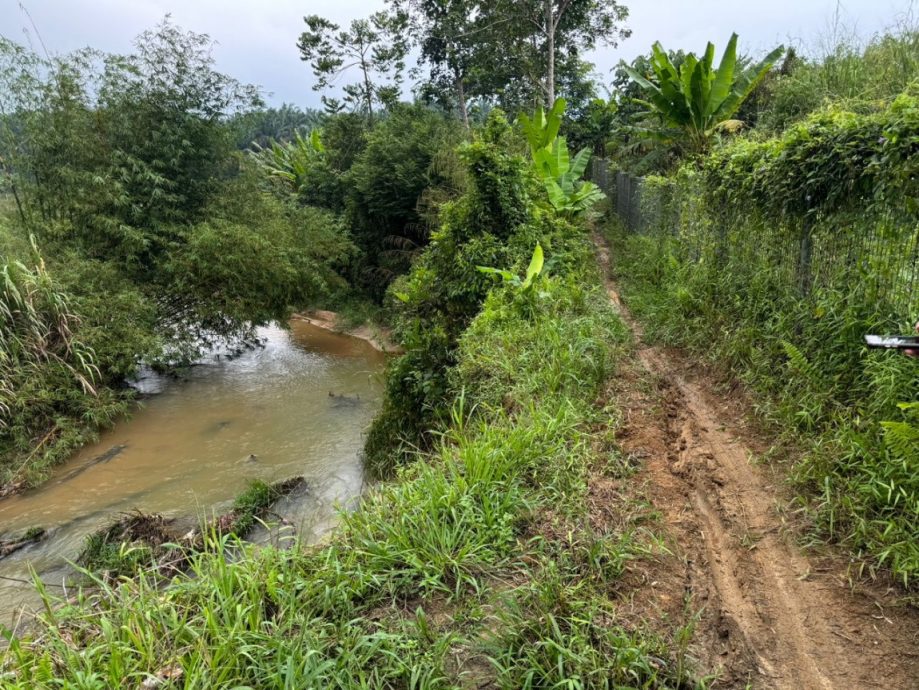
297, 406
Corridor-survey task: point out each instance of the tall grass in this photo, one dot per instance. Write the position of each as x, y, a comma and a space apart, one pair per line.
842, 66
48, 397
408, 592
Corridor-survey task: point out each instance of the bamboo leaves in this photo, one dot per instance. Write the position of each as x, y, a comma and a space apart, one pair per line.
36, 331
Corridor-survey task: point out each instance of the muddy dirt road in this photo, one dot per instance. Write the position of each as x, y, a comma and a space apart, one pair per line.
769, 615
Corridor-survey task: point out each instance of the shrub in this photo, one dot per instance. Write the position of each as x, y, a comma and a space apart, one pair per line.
50, 399
384, 187
495, 223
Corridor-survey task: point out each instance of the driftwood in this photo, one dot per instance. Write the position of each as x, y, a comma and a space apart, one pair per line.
13, 544
110, 454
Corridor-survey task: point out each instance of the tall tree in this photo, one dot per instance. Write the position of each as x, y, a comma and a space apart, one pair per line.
542, 32
375, 46
513, 52
446, 32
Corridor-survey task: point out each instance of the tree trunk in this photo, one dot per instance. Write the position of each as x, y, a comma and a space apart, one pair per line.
22, 213
368, 88
550, 49
368, 91
12, 183
461, 96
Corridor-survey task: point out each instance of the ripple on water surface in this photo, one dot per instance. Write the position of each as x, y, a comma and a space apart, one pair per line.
297, 406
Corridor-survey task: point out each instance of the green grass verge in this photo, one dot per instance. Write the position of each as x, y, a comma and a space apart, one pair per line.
477, 565
816, 385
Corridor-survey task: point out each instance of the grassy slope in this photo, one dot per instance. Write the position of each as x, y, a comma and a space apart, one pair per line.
479, 564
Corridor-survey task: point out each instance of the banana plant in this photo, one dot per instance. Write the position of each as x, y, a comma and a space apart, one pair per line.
561, 175
542, 129
534, 270
290, 161
697, 99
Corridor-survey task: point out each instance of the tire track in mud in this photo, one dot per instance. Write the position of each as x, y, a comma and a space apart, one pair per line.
770, 617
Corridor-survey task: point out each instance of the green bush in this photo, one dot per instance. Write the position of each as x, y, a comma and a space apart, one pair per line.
384, 187
862, 77
51, 393
495, 223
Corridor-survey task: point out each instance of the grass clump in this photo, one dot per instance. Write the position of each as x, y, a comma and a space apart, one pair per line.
127, 546
49, 396
555, 635
254, 502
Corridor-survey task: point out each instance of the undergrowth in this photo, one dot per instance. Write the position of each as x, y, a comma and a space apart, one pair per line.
51, 399
445, 577
775, 259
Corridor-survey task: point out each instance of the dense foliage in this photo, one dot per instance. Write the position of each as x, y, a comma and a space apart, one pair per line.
496, 223
493, 519
261, 126
48, 379
788, 252
862, 76
156, 234
386, 187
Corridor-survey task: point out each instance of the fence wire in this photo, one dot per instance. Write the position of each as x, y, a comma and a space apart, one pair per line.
872, 256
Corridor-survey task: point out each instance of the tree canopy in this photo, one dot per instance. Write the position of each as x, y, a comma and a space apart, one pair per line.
376, 47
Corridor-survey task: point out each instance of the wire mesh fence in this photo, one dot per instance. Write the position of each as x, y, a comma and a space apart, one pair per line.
871, 255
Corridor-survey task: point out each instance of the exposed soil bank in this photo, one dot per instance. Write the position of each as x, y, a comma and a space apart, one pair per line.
769, 615
380, 338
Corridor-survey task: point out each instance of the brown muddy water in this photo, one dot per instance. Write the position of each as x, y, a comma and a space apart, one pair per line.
196, 443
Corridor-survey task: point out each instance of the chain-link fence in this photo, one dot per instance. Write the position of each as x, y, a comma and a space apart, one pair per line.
871, 255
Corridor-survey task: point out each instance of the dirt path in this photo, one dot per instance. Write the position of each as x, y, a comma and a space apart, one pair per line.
768, 615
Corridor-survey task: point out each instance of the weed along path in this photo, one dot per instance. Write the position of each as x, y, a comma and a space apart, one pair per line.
765, 614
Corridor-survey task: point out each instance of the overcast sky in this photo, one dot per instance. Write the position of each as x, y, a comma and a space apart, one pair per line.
256, 38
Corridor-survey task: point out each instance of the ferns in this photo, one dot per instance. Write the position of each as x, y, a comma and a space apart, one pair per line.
799, 363
902, 437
